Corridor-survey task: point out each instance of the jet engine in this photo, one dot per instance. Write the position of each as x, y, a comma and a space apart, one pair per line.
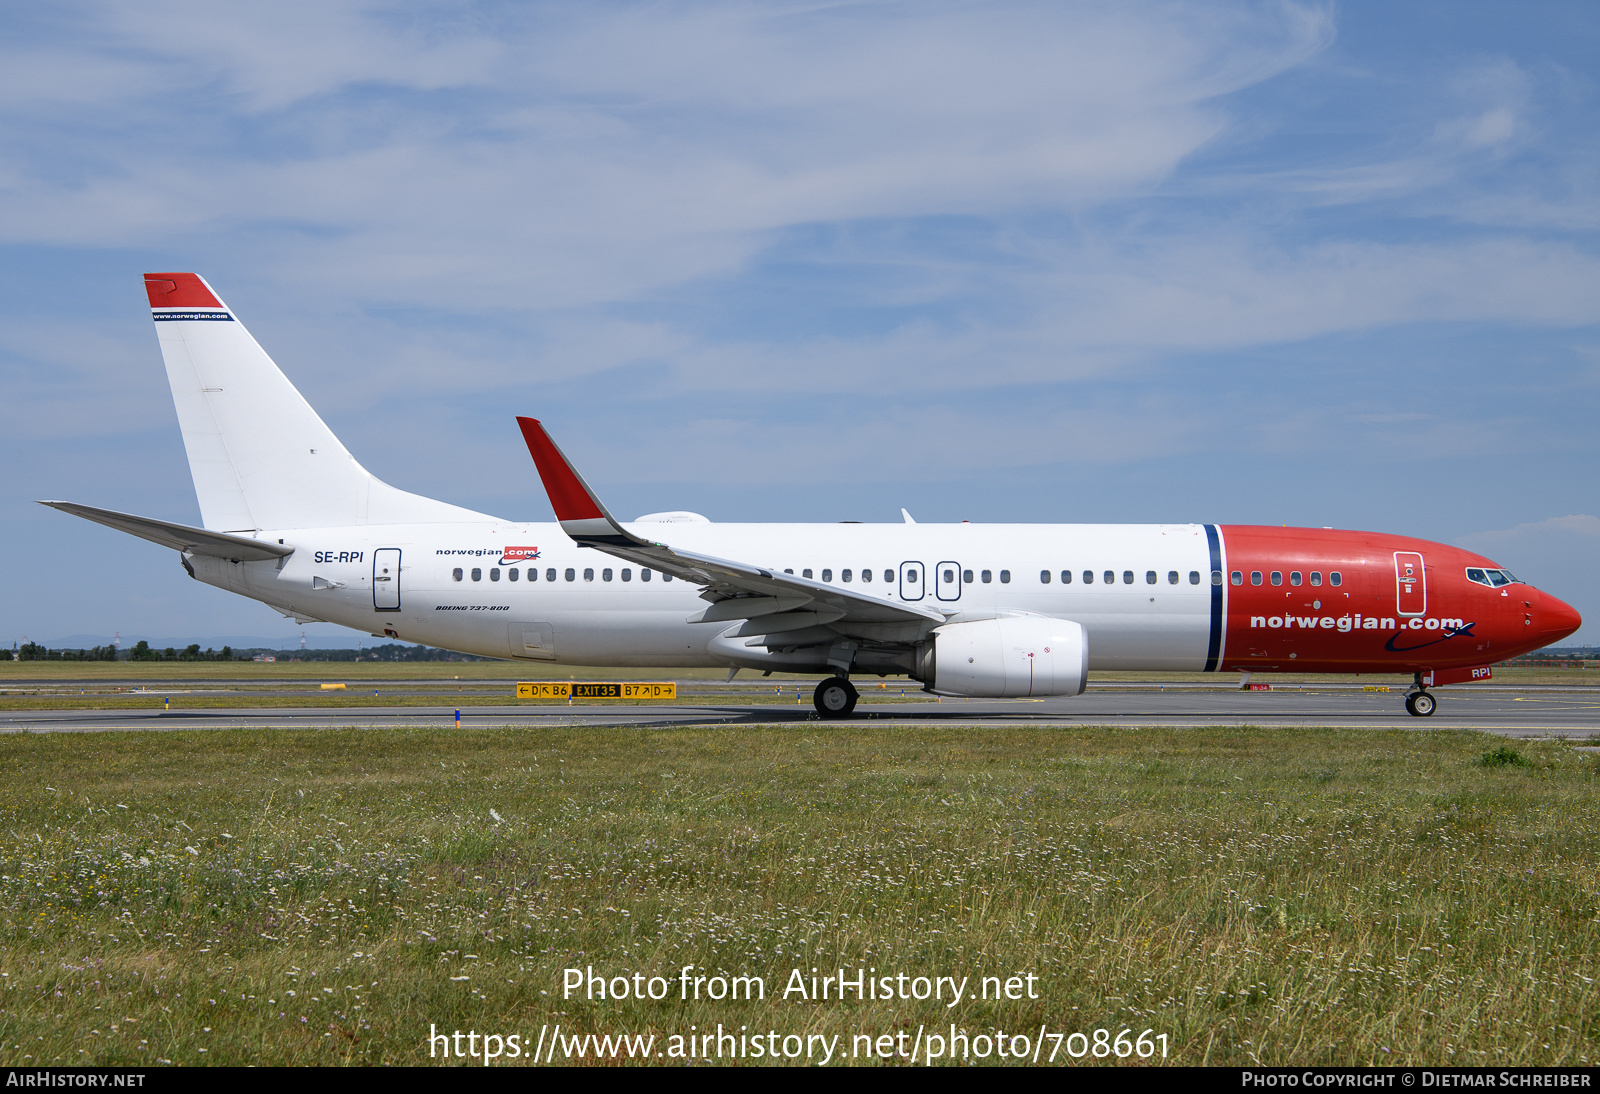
1011, 657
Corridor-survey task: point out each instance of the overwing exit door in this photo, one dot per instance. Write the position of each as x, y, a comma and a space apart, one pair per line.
912, 585
947, 581
386, 579
1411, 583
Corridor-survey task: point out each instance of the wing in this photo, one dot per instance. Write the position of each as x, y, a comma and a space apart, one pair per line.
788, 610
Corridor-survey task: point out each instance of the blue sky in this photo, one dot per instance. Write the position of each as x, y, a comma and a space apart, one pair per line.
1259, 263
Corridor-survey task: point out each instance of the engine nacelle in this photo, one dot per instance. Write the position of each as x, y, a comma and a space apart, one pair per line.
1012, 657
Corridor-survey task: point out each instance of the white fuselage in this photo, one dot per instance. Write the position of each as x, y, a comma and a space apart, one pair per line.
580, 606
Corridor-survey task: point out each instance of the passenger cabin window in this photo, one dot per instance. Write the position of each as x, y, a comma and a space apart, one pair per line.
1334, 578
788, 571
805, 573
1172, 578
605, 575
1316, 577
1194, 577
512, 575
1277, 577
588, 573
844, 575
1088, 577
627, 574
1255, 577
1044, 577
666, 577
477, 574
494, 573
456, 574
1110, 577
1066, 577
1150, 577
1005, 577
572, 575
827, 575
550, 575
888, 575
966, 575
644, 575
866, 575
1216, 577
987, 576
1238, 578
1294, 577
1127, 577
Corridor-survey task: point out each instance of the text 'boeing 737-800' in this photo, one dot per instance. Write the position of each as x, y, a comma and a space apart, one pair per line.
291, 519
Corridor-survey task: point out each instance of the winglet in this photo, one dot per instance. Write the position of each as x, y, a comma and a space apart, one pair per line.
580, 511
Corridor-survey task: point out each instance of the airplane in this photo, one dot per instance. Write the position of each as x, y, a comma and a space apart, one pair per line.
290, 518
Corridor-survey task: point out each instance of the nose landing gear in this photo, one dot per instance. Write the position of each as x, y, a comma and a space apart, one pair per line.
835, 697
1419, 704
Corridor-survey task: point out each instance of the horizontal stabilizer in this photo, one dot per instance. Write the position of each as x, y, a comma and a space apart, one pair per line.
179, 537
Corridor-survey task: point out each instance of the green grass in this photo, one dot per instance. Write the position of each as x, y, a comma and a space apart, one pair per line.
1273, 896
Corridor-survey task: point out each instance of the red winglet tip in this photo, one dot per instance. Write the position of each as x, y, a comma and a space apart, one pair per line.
568, 496
179, 290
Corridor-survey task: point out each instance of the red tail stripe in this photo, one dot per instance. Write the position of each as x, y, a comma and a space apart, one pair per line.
178, 290
568, 496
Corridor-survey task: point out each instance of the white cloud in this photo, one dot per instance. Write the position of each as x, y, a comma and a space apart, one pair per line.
591, 153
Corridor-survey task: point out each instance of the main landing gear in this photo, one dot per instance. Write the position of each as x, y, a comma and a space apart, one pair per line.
835, 697
1419, 704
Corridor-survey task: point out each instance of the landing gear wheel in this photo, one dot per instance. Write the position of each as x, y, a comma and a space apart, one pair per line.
835, 697
1420, 704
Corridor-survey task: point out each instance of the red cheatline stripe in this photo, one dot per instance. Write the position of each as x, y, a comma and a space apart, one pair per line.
178, 290
568, 496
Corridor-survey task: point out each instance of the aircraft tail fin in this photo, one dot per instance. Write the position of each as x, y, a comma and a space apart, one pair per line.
260, 456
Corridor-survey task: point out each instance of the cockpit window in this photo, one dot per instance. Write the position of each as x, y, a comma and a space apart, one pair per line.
1474, 574
1499, 577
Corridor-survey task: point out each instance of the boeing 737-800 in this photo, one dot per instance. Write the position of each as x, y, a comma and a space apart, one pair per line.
288, 517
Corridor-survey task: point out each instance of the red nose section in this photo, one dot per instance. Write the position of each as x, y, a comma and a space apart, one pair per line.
1557, 619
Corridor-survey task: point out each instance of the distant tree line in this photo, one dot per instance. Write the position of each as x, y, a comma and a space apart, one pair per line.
33, 651
142, 651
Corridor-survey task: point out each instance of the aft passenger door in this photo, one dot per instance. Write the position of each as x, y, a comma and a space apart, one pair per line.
1411, 583
386, 579
912, 585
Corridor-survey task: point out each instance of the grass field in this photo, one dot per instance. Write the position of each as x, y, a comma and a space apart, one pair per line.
1255, 895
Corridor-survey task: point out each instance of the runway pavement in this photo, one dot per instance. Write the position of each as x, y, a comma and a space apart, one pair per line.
1514, 712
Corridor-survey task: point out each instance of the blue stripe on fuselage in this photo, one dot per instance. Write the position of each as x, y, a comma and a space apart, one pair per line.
1214, 647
